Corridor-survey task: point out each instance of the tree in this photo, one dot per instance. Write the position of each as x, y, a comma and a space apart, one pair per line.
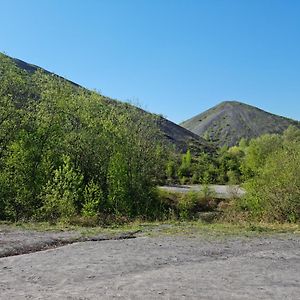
64, 148
292, 134
274, 194
61, 195
185, 167
257, 152
205, 168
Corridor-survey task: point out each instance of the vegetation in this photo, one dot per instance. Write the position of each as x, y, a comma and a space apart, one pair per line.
171, 227
72, 155
274, 193
268, 167
65, 151
223, 167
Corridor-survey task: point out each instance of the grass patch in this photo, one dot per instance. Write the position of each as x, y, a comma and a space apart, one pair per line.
168, 228
196, 228
61, 227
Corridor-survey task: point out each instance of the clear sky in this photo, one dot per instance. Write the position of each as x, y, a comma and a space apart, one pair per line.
174, 57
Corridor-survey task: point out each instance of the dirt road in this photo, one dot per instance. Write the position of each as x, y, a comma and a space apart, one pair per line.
165, 267
219, 191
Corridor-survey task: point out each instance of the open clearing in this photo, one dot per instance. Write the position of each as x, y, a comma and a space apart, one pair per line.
159, 266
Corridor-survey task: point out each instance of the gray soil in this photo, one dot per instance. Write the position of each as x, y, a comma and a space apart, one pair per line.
217, 191
163, 267
16, 242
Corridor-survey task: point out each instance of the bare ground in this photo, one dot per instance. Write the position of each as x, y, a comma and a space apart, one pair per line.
15, 242
161, 267
219, 191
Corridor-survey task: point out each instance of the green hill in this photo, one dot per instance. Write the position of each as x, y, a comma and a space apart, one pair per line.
174, 134
228, 122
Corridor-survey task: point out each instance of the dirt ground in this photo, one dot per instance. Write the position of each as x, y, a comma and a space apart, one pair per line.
219, 191
161, 267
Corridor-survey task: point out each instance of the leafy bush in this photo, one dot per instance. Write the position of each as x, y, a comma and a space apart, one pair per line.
274, 194
119, 185
61, 195
257, 152
187, 204
94, 201
113, 155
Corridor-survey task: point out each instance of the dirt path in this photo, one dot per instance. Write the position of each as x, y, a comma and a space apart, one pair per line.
158, 268
219, 191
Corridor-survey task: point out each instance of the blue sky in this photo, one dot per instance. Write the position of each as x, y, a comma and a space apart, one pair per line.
174, 57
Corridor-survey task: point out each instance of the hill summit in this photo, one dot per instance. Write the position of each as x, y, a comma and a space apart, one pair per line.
229, 121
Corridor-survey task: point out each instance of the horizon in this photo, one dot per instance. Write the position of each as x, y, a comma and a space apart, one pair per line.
219, 51
219, 103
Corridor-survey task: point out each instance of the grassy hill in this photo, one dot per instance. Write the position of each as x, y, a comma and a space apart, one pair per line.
174, 134
228, 122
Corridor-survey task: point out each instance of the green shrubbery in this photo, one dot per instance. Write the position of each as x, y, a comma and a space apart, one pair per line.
271, 172
70, 154
186, 206
268, 167
66, 152
61, 196
222, 167
274, 194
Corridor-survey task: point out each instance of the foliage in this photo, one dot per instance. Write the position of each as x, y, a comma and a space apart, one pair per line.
268, 166
67, 151
94, 201
61, 195
185, 167
185, 206
171, 170
257, 152
274, 195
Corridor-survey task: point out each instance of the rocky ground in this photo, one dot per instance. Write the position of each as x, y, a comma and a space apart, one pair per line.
149, 267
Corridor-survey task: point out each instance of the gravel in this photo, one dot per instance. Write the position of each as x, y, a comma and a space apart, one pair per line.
162, 267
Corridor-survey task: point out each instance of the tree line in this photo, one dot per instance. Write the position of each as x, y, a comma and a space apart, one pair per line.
268, 167
65, 151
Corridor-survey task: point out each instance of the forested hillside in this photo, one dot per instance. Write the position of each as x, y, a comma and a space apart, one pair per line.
175, 135
65, 151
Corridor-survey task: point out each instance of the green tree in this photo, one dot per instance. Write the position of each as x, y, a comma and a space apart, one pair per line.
274, 194
44, 118
257, 152
205, 168
185, 167
119, 185
292, 134
94, 201
61, 195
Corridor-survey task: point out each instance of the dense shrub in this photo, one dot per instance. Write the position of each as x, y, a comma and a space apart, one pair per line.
186, 206
67, 151
274, 194
94, 201
61, 196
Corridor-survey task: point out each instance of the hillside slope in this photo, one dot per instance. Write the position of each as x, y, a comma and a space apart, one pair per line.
228, 122
182, 138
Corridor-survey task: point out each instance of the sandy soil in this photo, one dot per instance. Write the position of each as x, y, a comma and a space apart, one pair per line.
165, 267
